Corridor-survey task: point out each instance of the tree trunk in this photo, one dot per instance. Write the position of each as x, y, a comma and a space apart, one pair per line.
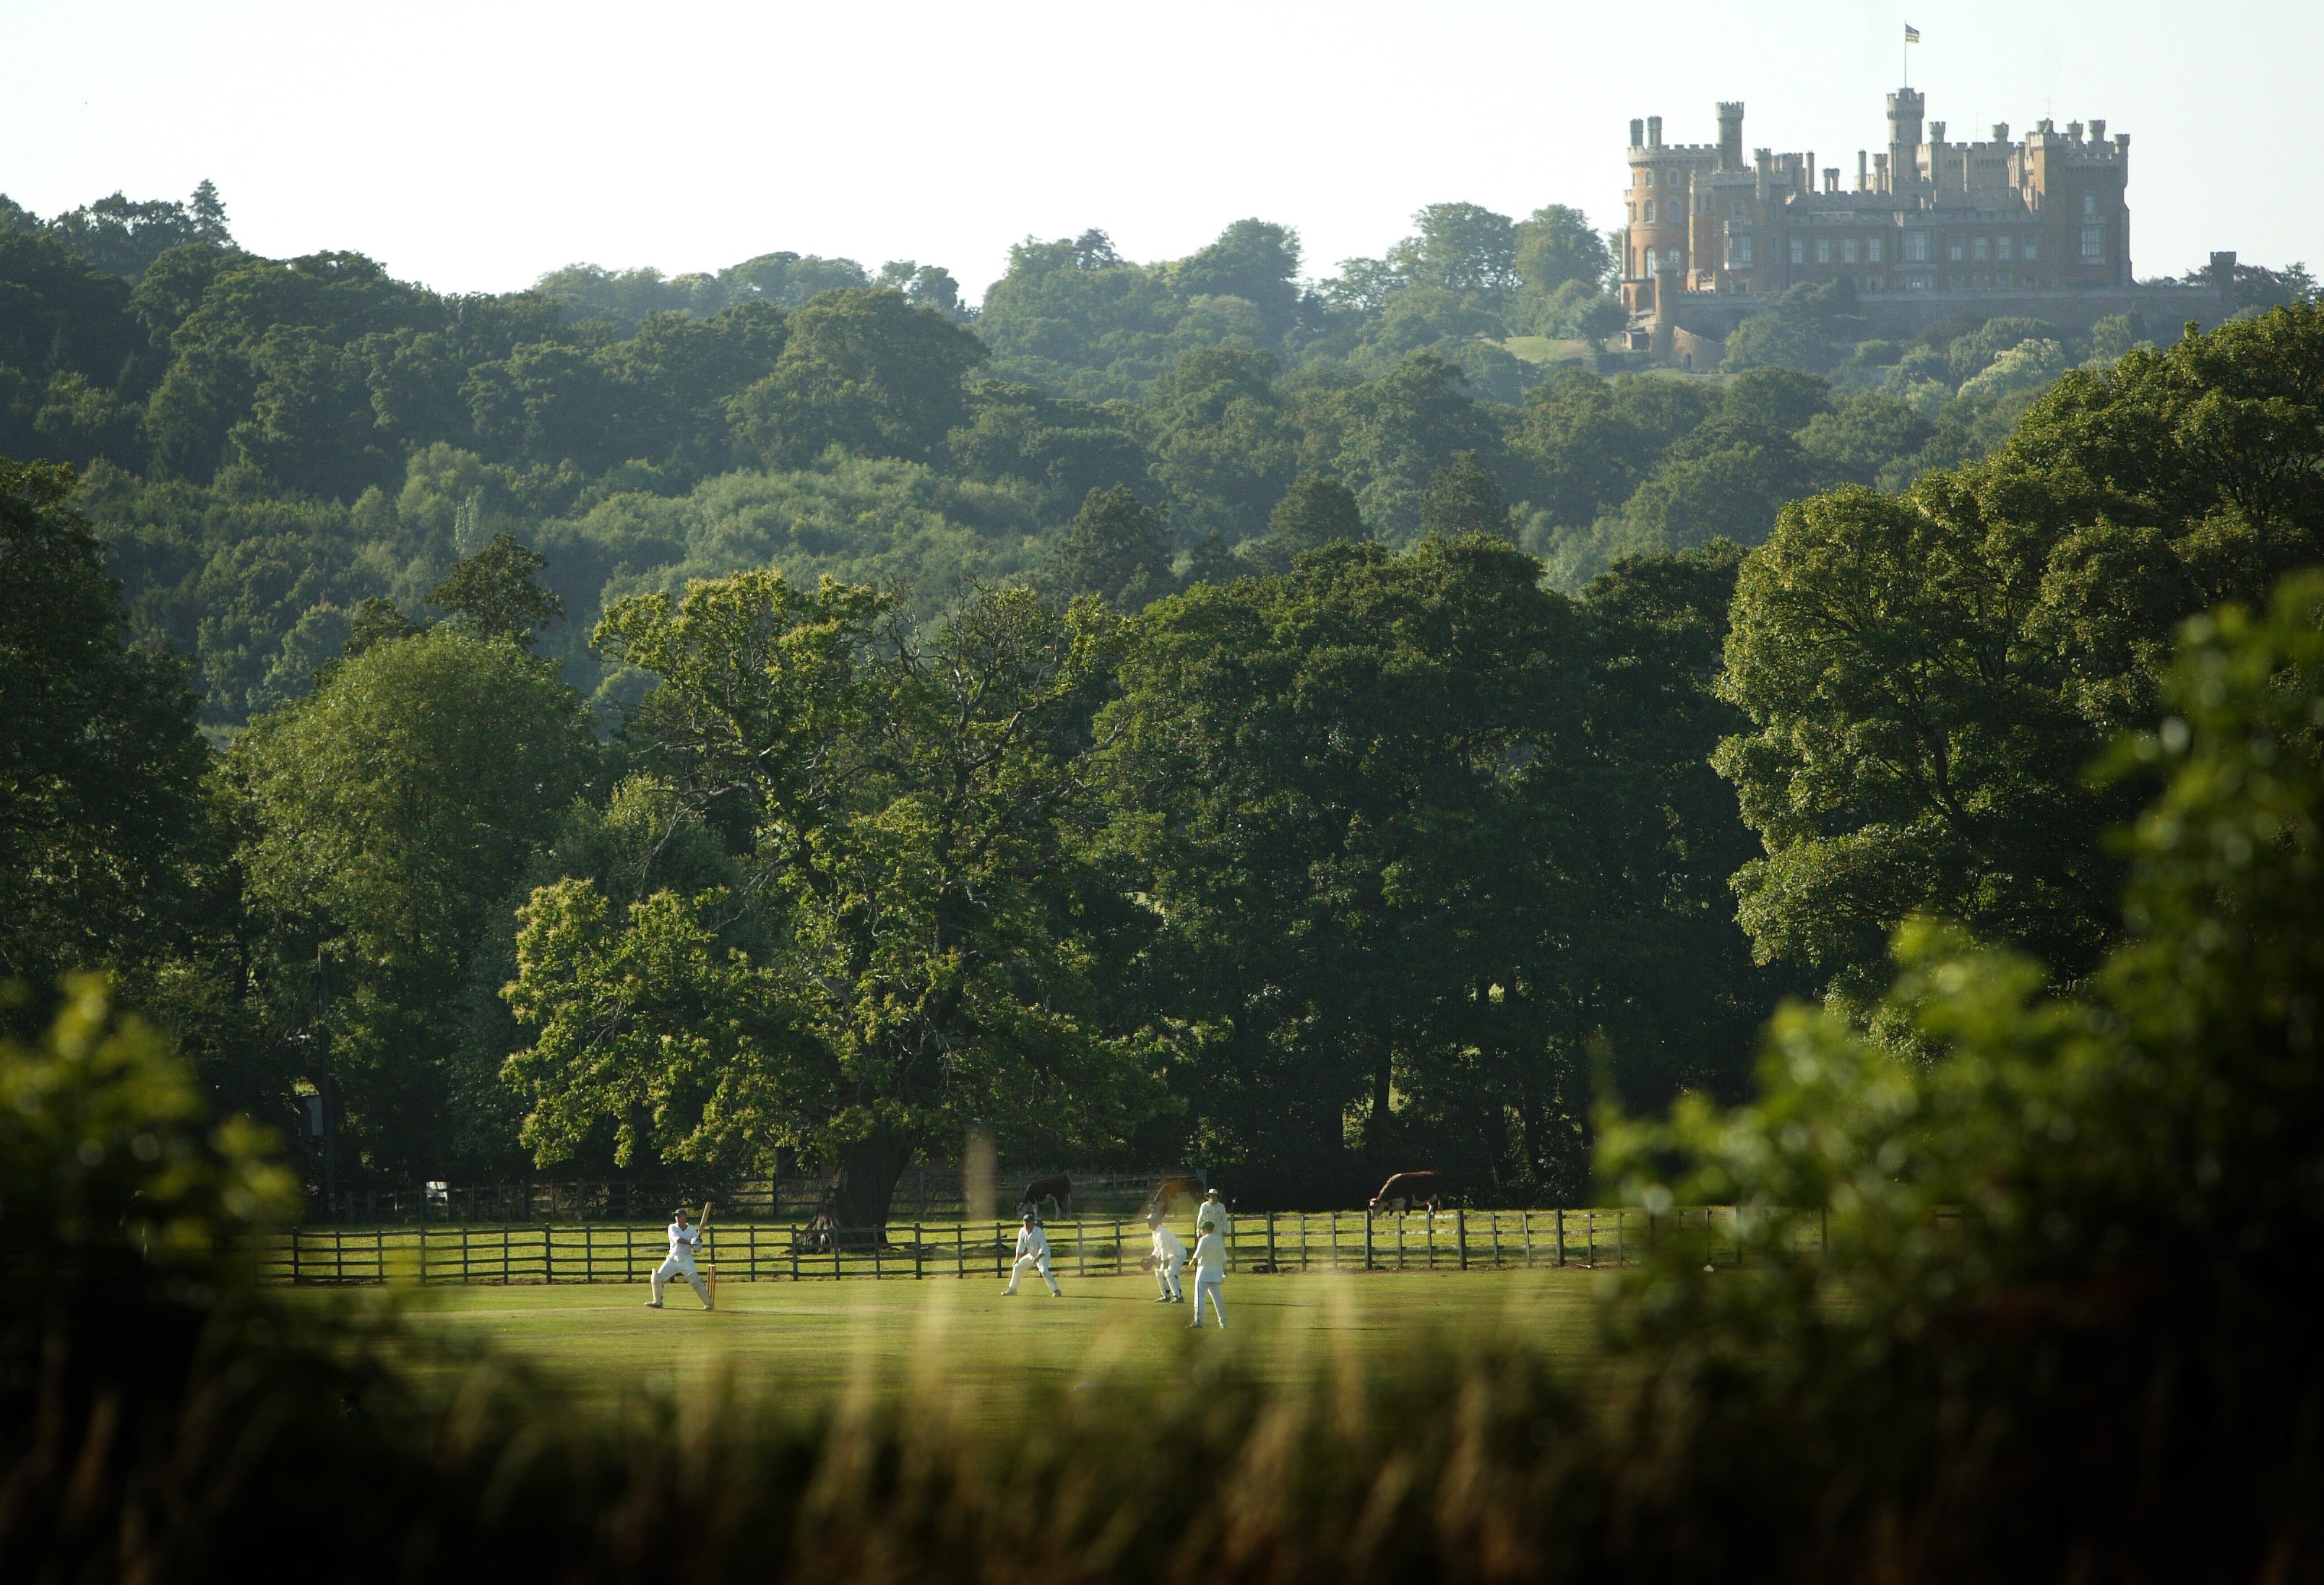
1383, 1079
861, 1187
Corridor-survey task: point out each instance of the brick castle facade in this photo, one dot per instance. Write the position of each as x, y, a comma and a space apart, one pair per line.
1922, 230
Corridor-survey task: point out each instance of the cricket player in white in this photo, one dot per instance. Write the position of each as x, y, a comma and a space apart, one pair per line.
1213, 1213
1033, 1250
1210, 1271
1169, 1254
684, 1238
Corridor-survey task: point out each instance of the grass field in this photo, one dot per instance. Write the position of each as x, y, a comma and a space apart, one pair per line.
810, 1342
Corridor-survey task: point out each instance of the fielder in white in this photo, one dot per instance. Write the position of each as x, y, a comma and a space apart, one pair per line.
684, 1238
1169, 1254
1033, 1250
1213, 1213
1210, 1272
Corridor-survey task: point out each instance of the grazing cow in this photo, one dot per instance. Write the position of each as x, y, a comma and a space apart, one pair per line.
1058, 1190
1407, 1189
1175, 1190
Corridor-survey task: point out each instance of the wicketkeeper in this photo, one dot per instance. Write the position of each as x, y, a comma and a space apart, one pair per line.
1169, 1254
1033, 1250
685, 1239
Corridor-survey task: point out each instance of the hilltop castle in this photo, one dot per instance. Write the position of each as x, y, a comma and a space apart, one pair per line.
1927, 228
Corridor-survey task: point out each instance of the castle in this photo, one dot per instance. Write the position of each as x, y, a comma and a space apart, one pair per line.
1926, 229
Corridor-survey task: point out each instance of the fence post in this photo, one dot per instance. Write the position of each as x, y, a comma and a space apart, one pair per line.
1560, 1214
836, 1271
1590, 1231
960, 1251
505, 1248
1117, 1248
549, 1248
879, 1236
1368, 1240
1493, 1223
1461, 1234
795, 1239
423, 1246
339, 1255
1272, 1263
916, 1233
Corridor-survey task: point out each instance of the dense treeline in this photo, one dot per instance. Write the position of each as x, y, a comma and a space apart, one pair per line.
266, 443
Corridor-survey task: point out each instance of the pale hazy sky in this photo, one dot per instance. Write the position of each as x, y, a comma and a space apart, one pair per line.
474, 145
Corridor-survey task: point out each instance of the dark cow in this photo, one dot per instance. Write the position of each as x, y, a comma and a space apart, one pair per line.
1058, 1190
1407, 1189
1174, 1191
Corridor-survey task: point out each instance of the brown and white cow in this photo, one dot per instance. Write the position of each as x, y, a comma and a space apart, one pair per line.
1407, 1189
1058, 1190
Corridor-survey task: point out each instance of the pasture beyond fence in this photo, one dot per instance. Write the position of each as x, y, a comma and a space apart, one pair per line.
922, 1193
1279, 1241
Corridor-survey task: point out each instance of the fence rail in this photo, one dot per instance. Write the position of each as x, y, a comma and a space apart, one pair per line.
1282, 1241
931, 1194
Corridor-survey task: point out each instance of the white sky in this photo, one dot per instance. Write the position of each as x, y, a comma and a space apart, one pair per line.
474, 144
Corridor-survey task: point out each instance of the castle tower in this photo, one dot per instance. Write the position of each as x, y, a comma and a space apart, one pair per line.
1906, 108
1730, 135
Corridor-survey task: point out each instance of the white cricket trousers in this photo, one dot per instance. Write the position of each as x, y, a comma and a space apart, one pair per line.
1207, 1287
673, 1267
1165, 1277
1040, 1263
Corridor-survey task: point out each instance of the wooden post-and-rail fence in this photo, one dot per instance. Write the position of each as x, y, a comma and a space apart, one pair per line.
1268, 1242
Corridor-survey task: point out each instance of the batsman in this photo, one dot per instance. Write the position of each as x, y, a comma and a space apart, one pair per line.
685, 1239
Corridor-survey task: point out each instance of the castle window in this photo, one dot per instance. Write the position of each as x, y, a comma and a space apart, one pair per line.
1650, 211
1823, 250
1953, 249
2093, 244
1799, 252
1981, 250
1916, 246
1739, 212
1674, 260
2033, 249
1650, 178
2090, 206
1847, 251
2001, 247
1739, 252
1872, 250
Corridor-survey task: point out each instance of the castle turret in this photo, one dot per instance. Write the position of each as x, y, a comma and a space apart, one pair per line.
1730, 135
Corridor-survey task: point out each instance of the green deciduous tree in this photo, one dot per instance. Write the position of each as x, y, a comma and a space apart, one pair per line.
904, 798
391, 812
495, 596
1464, 499
865, 370
99, 763
1118, 548
1928, 675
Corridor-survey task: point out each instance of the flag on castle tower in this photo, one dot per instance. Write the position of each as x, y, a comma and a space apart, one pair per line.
1912, 33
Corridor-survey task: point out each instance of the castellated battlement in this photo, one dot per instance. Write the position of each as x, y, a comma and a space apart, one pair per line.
1929, 227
